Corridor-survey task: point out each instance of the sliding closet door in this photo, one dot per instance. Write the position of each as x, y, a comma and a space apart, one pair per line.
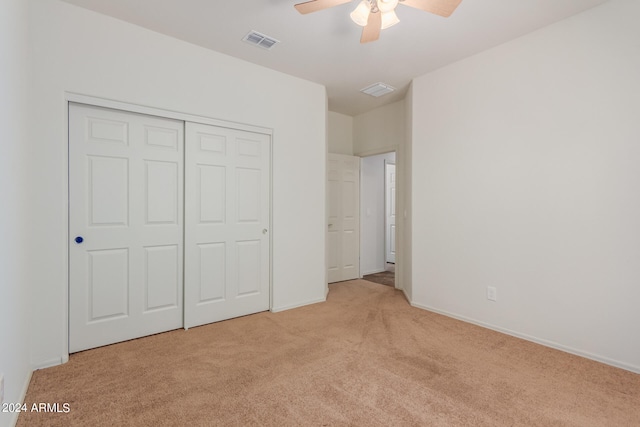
125, 224
227, 186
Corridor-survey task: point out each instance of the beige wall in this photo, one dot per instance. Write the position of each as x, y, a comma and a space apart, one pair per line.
18, 243
340, 133
407, 161
379, 130
525, 178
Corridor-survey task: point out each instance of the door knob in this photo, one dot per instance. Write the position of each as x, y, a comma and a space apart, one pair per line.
264, 231
79, 239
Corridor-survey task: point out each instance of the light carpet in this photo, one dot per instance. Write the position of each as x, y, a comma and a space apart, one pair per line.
363, 358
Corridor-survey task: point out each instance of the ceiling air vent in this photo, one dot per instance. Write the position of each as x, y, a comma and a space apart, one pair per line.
257, 39
378, 89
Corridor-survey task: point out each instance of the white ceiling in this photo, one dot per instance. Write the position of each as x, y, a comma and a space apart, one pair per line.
324, 46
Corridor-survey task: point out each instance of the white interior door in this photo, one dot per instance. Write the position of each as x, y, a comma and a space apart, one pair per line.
227, 245
125, 224
344, 217
390, 211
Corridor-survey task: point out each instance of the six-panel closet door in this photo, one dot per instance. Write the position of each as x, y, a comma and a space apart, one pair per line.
227, 244
125, 225
166, 229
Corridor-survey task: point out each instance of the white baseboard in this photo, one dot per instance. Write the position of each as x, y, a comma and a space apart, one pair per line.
372, 272
407, 297
541, 341
52, 362
302, 304
23, 394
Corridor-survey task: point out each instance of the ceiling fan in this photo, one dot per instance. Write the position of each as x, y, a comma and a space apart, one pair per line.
376, 15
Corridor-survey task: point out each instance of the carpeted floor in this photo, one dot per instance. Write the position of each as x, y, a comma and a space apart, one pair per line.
363, 358
387, 277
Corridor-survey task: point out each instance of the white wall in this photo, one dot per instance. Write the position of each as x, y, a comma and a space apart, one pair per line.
526, 178
15, 188
379, 130
75, 50
373, 212
405, 243
340, 133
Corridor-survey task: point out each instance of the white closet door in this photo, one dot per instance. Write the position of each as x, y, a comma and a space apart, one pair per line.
125, 224
343, 241
226, 223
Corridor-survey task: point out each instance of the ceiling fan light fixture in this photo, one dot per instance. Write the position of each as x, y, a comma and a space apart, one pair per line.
389, 19
377, 15
360, 15
387, 5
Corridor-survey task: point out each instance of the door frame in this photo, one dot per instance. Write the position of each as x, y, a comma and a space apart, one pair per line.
386, 196
72, 97
400, 197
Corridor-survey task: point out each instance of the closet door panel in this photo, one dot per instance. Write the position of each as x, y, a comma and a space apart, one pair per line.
227, 246
126, 226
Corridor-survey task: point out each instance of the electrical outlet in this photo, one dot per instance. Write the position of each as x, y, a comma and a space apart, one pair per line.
1, 389
492, 293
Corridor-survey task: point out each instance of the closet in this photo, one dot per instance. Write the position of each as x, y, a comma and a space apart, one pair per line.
168, 222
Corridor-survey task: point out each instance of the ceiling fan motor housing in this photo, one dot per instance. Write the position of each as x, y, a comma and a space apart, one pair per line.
386, 5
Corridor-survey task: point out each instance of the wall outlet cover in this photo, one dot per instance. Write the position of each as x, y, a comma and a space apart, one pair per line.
492, 293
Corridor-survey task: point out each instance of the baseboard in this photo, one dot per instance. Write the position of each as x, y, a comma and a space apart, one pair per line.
372, 272
23, 394
302, 304
52, 362
541, 341
404, 292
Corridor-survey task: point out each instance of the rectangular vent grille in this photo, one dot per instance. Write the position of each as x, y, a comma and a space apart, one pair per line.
257, 39
378, 89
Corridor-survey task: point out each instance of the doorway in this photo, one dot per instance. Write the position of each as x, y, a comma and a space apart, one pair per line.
377, 218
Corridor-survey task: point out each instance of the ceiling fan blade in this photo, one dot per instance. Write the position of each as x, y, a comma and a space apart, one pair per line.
316, 5
371, 32
439, 7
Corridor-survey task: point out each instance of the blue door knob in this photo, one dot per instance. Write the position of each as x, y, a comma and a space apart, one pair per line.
79, 239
